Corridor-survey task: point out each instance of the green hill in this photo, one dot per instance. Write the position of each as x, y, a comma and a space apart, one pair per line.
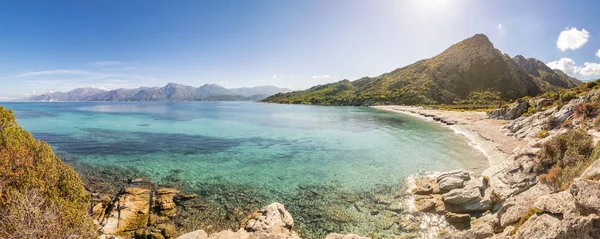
470, 68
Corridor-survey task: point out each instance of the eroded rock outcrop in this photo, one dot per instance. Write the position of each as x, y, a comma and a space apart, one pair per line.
137, 212
510, 113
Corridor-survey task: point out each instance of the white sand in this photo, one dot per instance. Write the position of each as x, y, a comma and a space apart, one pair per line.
484, 134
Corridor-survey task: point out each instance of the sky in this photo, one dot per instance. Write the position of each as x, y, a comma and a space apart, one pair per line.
61, 45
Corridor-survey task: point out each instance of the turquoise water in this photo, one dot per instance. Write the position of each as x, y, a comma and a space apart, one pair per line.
273, 148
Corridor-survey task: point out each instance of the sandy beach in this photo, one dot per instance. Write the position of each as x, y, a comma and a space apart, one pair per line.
484, 134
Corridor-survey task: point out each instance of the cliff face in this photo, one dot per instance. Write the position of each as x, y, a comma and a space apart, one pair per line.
472, 65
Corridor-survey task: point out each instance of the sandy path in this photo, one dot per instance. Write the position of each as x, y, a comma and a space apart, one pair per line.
485, 134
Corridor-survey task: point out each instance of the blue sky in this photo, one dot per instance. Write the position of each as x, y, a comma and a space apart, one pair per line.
61, 45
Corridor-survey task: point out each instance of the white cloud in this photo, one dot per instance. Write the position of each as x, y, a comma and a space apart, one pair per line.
281, 77
572, 39
598, 53
499, 26
108, 63
57, 72
590, 69
567, 65
321, 77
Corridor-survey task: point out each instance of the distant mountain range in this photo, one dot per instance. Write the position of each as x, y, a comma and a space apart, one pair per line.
472, 67
169, 92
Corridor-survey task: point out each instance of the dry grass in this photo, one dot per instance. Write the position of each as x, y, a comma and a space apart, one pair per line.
552, 175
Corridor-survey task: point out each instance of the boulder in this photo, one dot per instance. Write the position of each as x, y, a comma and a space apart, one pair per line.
473, 207
274, 219
461, 196
593, 171
580, 227
200, 234
164, 201
459, 221
130, 211
425, 205
460, 174
510, 113
587, 195
557, 203
510, 214
450, 183
542, 226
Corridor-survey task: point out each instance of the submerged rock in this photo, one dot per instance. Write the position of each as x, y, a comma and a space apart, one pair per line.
339, 236
272, 221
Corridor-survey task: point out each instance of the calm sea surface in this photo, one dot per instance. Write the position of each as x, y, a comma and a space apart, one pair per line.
273, 148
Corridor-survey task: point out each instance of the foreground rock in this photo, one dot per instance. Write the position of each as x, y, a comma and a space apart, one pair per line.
137, 212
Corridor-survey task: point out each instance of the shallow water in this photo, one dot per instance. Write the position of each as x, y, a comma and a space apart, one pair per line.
274, 149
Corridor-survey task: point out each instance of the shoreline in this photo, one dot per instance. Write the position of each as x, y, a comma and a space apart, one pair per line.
485, 135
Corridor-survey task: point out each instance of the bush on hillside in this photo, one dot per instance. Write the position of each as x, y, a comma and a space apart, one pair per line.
568, 155
585, 110
38, 191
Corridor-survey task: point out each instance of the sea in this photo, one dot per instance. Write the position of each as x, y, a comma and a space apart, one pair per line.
325, 163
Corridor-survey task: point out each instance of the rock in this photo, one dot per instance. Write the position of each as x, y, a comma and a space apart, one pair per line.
425, 205
587, 195
339, 236
461, 174
580, 227
542, 226
511, 213
200, 234
557, 203
510, 113
185, 197
451, 180
108, 237
473, 207
461, 196
510, 177
148, 234
164, 201
273, 220
479, 231
593, 171
101, 203
450, 183
130, 211
540, 102
167, 230
423, 190
459, 221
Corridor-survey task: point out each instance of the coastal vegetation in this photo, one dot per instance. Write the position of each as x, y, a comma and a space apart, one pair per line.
471, 72
40, 196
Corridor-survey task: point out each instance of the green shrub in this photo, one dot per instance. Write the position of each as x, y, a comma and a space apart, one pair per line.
530, 212
542, 134
33, 175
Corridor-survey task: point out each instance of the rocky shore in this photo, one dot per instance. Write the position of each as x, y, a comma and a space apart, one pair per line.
508, 200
